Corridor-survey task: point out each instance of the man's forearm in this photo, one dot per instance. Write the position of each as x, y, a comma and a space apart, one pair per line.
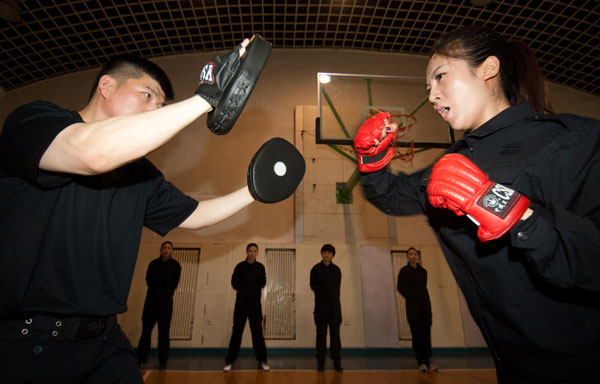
209, 212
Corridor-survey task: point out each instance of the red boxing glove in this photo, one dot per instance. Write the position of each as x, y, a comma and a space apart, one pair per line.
372, 143
459, 185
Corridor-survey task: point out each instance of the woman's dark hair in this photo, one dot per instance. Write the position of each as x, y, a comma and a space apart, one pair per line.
328, 247
521, 77
251, 245
124, 67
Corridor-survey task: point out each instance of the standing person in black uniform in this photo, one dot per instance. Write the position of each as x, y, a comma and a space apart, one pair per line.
514, 205
248, 279
162, 278
412, 285
325, 281
75, 193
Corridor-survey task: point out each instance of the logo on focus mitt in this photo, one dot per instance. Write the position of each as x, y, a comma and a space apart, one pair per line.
206, 76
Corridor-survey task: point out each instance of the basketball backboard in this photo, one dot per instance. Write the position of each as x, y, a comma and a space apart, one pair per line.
346, 100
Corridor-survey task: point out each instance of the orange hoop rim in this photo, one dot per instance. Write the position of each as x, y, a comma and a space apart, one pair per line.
409, 155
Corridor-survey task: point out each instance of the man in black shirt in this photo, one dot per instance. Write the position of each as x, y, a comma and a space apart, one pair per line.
162, 278
75, 193
412, 285
248, 279
325, 281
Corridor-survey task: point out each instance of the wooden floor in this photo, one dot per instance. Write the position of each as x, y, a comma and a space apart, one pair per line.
458, 376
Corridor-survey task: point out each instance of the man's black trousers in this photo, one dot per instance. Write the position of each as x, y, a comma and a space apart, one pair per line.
252, 312
152, 315
33, 355
420, 329
333, 321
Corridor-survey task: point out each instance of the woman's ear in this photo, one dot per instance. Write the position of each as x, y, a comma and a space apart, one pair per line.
490, 68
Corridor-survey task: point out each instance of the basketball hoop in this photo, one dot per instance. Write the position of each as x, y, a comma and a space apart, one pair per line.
405, 134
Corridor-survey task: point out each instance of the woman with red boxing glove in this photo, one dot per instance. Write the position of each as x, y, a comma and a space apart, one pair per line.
514, 204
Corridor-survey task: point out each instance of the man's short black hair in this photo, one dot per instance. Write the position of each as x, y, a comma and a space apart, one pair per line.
251, 245
126, 66
166, 242
328, 247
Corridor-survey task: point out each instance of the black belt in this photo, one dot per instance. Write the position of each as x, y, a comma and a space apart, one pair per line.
55, 328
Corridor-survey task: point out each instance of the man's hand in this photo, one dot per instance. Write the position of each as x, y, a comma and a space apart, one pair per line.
459, 185
218, 73
372, 142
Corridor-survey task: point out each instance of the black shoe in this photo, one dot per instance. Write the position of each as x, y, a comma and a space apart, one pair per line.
321, 368
338, 368
162, 366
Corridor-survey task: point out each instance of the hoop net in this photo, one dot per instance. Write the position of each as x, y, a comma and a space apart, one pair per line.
406, 134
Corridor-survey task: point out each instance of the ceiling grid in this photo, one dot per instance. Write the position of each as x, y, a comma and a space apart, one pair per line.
58, 37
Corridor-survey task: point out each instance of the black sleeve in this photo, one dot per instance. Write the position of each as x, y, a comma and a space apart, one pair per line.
27, 134
167, 206
262, 281
176, 277
562, 238
151, 276
314, 281
339, 278
396, 195
235, 278
561, 246
402, 288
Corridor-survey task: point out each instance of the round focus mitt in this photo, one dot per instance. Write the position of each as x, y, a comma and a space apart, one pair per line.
275, 171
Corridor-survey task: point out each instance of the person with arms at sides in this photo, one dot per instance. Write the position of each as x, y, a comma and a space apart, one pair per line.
325, 281
412, 285
513, 204
248, 279
162, 278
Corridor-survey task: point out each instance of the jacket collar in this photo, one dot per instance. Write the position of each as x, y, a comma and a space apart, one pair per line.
507, 117
418, 266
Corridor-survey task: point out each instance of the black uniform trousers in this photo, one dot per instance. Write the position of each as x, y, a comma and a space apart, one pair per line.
151, 315
35, 356
333, 321
253, 313
420, 330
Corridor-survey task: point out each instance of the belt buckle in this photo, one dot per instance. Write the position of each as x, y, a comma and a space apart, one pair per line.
90, 327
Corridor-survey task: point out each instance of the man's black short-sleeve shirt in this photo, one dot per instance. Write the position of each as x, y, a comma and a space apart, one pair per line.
68, 243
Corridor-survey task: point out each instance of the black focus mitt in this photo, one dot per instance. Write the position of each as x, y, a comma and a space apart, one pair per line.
227, 81
275, 171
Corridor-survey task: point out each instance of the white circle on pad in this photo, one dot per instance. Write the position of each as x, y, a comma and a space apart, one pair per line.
280, 168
